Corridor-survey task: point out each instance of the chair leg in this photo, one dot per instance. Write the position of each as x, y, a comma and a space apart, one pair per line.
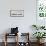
5, 43
5, 40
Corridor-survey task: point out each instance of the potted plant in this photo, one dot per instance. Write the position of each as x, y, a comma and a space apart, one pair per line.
35, 26
39, 35
42, 27
38, 27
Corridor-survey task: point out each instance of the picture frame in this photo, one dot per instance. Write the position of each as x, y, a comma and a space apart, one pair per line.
41, 8
41, 12
17, 13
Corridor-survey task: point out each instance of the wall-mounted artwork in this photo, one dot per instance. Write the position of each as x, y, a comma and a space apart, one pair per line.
41, 12
17, 13
41, 8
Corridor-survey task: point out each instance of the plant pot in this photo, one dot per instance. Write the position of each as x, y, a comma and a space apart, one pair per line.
42, 40
38, 40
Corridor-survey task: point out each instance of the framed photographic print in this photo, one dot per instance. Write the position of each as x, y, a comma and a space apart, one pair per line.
41, 8
41, 12
17, 13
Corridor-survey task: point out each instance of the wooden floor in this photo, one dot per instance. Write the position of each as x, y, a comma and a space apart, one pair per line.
13, 44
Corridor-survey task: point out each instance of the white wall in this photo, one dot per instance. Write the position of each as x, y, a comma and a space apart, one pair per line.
24, 23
